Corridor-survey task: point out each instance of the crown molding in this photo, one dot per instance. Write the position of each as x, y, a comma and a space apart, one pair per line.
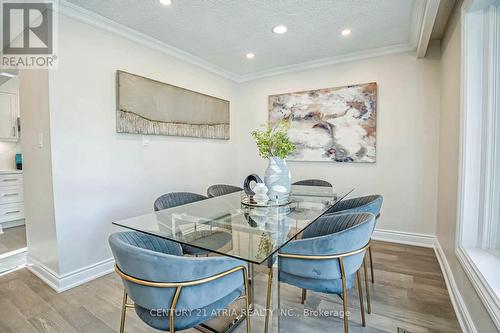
86, 16
83, 15
348, 57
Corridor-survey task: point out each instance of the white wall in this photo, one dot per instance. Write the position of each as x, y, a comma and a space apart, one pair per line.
407, 134
101, 176
8, 150
37, 173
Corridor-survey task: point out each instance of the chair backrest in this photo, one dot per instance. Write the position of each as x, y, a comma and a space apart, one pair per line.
154, 259
330, 235
366, 204
173, 199
221, 189
313, 182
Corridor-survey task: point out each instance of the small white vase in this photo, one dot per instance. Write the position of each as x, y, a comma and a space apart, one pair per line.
278, 179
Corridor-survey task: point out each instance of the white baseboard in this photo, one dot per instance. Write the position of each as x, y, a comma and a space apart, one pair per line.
11, 224
457, 301
408, 238
13, 260
72, 279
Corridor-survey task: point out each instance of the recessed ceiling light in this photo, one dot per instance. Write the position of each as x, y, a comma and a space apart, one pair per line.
250, 55
166, 2
345, 32
280, 29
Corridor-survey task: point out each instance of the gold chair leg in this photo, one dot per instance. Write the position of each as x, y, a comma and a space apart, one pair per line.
124, 309
368, 303
344, 295
172, 308
360, 293
247, 302
268, 301
371, 263
304, 295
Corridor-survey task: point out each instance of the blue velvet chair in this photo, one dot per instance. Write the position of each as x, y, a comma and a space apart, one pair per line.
222, 189
366, 204
175, 199
313, 182
329, 256
171, 292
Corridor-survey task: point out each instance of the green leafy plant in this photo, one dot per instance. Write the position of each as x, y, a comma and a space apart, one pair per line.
274, 141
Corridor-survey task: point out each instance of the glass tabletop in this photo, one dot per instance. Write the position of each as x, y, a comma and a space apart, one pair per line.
225, 226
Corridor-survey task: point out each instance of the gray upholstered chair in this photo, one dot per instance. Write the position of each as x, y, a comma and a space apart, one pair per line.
366, 204
313, 182
171, 292
222, 189
175, 199
329, 256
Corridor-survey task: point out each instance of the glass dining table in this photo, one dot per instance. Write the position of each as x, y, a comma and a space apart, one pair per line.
230, 226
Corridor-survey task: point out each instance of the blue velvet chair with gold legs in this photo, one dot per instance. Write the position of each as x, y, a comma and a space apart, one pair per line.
171, 292
174, 199
366, 204
329, 257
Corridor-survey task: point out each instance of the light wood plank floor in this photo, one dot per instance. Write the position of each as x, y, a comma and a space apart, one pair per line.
12, 239
409, 292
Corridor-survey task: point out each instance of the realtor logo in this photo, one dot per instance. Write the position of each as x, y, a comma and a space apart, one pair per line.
27, 34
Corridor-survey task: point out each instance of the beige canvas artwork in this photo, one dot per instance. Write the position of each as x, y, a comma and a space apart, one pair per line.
149, 107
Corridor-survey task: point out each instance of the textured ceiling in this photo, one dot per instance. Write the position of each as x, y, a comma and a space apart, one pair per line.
223, 31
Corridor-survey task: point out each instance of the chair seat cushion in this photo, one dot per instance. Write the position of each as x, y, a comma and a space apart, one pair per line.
329, 286
159, 319
207, 239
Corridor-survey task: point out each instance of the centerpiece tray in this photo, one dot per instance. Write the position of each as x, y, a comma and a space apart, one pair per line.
248, 200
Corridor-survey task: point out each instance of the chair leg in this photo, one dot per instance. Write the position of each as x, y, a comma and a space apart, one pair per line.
367, 287
124, 309
247, 302
344, 295
371, 263
360, 293
304, 295
268, 301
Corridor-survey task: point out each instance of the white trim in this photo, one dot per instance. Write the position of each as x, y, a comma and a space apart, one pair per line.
13, 260
83, 15
11, 253
72, 279
430, 14
11, 224
86, 16
463, 315
407, 238
348, 57
485, 293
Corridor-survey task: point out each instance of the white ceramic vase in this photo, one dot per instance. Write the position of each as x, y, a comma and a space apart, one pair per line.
278, 179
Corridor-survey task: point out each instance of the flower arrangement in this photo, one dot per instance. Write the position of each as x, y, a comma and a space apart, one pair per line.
274, 141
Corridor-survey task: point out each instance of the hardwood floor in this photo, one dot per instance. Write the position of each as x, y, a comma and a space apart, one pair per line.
409, 292
12, 239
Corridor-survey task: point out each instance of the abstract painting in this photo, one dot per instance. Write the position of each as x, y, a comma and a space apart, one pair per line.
150, 107
332, 124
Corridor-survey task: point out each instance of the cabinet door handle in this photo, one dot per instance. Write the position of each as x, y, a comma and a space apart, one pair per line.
9, 180
13, 212
10, 195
